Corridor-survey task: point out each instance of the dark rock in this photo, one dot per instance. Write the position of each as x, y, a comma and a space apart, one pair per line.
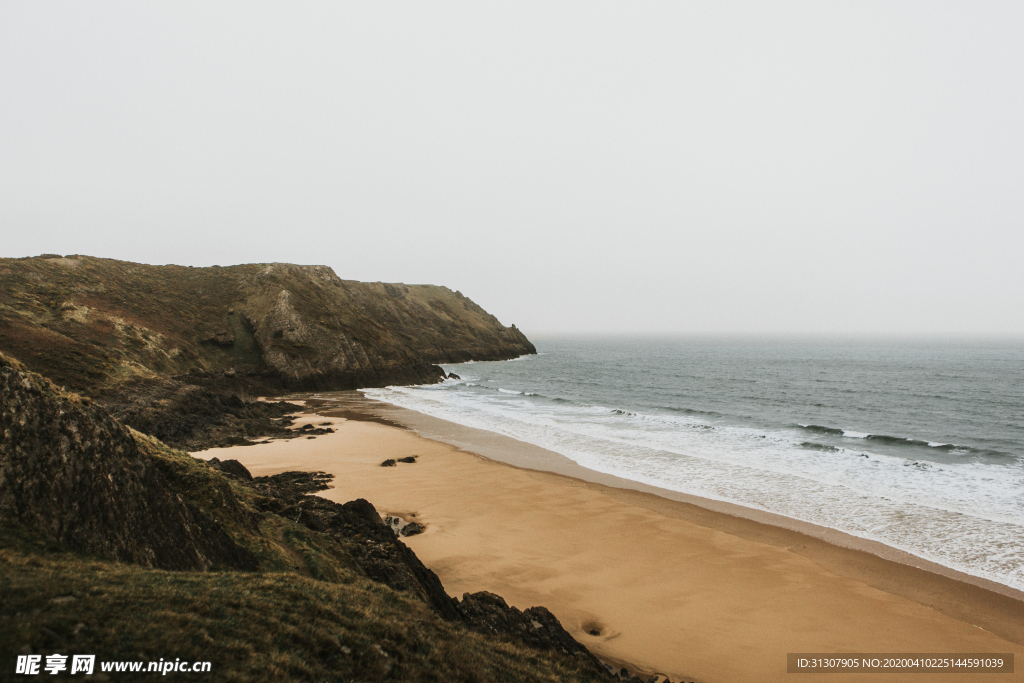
293, 485
73, 474
357, 525
536, 627
193, 418
231, 467
390, 462
411, 529
310, 430
362, 509
408, 459
379, 553
452, 375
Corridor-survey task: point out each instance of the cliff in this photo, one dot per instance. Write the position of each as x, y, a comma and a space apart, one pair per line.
101, 528
91, 324
73, 474
179, 353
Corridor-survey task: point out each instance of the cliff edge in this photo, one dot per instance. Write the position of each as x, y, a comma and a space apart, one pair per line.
91, 324
180, 353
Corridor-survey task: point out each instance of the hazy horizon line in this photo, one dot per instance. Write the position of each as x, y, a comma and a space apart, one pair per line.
784, 335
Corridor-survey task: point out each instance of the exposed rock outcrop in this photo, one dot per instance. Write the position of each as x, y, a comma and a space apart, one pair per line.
537, 627
378, 553
384, 558
194, 418
74, 475
231, 468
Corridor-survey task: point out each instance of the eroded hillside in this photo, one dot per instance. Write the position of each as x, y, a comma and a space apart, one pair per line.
91, 324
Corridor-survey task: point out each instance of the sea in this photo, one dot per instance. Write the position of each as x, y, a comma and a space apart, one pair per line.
917, 444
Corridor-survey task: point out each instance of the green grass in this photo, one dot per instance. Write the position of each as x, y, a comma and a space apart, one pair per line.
278, 543
309, 615
271, 626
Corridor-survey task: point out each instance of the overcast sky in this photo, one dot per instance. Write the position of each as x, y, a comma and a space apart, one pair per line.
573, 167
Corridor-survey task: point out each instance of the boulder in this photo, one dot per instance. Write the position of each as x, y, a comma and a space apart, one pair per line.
231, 467
536, 627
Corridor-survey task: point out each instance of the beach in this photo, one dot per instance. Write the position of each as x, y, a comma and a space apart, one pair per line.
648, 580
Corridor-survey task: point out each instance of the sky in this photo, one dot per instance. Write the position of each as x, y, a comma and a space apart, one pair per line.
573, 167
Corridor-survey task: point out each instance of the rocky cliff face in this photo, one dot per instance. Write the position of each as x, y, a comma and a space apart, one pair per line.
380, 555
91, 324
72, 478
385, 559
72, 474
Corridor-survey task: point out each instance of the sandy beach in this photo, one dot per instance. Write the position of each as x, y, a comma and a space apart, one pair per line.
659, 585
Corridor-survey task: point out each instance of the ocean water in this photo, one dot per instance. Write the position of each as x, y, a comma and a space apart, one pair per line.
916, 444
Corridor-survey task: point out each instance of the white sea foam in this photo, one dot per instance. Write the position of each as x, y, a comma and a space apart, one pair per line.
968, 515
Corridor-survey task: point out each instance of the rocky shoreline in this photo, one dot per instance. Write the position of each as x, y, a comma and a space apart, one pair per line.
384, 558
72, 474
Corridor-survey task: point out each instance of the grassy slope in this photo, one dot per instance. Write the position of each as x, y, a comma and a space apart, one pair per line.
252, 627
85, 323
309, 615
280, 545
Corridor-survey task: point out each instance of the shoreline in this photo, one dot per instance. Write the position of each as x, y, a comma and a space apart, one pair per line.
484, 540
510, 451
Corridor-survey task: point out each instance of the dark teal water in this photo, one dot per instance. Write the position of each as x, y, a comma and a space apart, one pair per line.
918, 444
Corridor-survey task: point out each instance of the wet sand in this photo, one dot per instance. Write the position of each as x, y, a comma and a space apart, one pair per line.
697, 590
